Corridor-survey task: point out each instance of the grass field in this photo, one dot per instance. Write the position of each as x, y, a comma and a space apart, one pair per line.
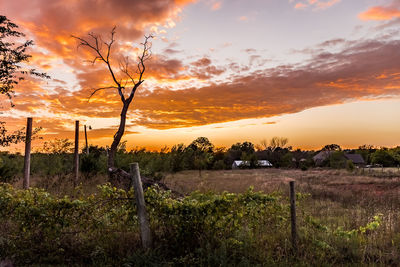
343, 218
361, 183
338, 199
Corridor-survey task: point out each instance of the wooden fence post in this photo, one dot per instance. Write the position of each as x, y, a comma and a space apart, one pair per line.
76, 154
27, 159
293, 216
144, 225
87, 147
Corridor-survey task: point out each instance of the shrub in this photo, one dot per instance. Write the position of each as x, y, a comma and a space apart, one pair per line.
93, 163
350, 165
10, 166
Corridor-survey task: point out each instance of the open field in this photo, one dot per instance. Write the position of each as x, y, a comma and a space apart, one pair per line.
338, 199
372, 182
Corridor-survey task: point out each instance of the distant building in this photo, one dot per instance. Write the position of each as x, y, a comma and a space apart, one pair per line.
264, 163
237, 164
321, 157
357, 159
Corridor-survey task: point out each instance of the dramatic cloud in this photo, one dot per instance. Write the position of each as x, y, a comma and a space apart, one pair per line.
388, 12
365, 70
51, 24
362, 70
337, 70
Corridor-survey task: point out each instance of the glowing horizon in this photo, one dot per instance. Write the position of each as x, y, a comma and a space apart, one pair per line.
248, 72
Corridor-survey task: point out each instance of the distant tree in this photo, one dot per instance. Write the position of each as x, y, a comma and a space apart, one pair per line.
236, 150
251, 158
202, 144
126, 84
332, 147
337, 159
366, 151
58, 146
383, 156
202, 150
176, 158
274, 143
278, 142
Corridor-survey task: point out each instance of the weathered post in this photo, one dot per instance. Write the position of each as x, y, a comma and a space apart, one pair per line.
293, 216
27, 161
87, 147
144, 225
76, 154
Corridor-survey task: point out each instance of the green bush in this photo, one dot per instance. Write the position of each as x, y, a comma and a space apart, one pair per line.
350, 166
10, 166
202, 229
93, 163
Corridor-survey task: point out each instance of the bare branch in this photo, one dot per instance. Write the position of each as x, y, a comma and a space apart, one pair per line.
97, 48
102, 88
103, 50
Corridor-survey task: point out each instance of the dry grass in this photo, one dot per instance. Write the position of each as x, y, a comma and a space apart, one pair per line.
270, 180
338, 198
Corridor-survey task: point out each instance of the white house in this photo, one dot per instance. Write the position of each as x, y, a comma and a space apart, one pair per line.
245, 163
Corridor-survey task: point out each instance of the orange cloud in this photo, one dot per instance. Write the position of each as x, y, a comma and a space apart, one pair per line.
361, 70
381, 13
216, 5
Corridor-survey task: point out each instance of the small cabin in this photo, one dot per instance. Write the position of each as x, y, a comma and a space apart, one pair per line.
357, 159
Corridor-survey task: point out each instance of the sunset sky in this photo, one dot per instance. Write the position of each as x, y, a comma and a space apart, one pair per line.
314, 71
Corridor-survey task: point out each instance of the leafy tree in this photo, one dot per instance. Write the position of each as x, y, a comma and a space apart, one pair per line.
384, 157
250, 158
236, 151
337, 159
366, 151
8, 139
202, 150
13, 55
125, 82
176, 158
332, 147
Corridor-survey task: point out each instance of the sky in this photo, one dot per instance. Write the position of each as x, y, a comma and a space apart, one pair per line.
314, 71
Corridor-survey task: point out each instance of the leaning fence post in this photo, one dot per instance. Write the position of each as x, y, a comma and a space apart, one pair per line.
27, 159
144, 225
76, 154
293, 216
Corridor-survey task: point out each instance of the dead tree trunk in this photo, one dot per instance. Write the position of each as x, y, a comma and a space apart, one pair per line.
117, 137
125, 81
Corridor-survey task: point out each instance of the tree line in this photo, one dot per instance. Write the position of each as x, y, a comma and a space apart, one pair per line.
199, 155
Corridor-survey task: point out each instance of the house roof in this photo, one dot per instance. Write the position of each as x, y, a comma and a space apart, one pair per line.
322, 155
241, 162
263, 163
355, 158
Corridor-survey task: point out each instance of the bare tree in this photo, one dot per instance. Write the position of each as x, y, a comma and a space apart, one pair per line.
126, 84
274, 143
278, 142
